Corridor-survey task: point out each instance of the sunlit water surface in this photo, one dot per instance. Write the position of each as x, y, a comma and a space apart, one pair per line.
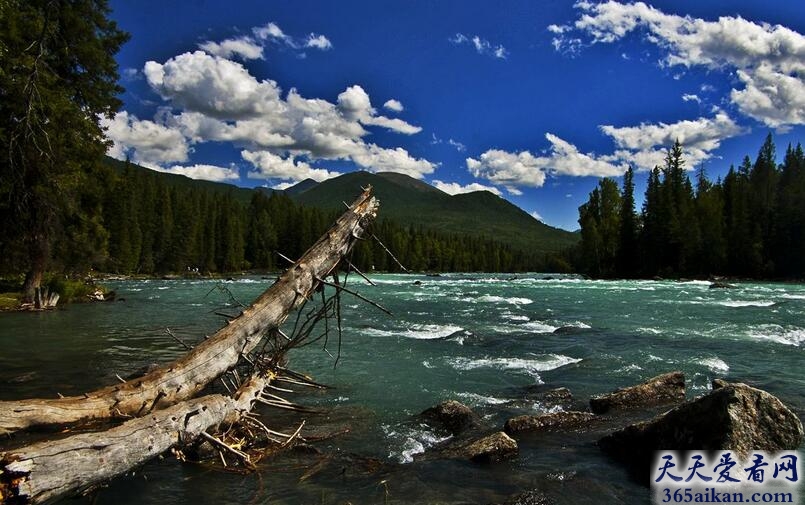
485, 340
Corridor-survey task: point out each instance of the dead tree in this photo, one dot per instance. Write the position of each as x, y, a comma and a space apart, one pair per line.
159, 406
185, 377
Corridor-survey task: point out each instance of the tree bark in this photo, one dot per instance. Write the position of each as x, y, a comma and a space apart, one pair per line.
185, 377
50, 470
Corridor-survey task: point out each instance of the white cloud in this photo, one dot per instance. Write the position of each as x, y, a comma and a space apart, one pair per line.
644, 145
454, 188
690, 97
482, 46
203, 172
213, 85
219, 100
355, 105
318, 42
243, 47
768, 60
271, 166
458, 145
536, 215
270, 31
525, 169
144, 141
394, 105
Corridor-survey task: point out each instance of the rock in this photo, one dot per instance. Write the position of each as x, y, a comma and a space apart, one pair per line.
558, 395
721, 285
734, 417
417, 283
569, 329
544, 422
453, 416
489, 449
719, 383
666, 388
533, 497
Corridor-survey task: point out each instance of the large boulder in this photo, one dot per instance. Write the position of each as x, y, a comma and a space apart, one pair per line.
489, 449
454, 416
734, 417
547, 422
666, 388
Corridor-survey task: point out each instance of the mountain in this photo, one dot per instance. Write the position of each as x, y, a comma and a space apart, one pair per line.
301, 187
412, 202
242, 195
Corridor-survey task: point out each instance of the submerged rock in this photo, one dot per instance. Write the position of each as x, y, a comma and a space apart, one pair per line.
733, 417
666, 388
454, 416
545, 422
532, 497
489, 449
721, 285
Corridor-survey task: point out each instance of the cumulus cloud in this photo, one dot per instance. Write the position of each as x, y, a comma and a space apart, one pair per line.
212, 85
644, 145
482, 46
219, 100
272, 166
145, 141
690, 97
242, 47
355, 104
394, 105
203, 172
454, 188
769, 61
511, 170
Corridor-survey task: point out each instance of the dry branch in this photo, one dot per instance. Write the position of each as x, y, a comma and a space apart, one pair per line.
50, 470
185, 377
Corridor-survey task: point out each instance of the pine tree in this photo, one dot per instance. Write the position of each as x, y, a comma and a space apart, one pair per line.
58, 76
628, 253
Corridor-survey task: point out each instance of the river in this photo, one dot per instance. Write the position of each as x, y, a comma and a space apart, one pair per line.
486, 340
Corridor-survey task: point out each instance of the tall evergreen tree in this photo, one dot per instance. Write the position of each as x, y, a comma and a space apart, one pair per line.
58, 77
628, 253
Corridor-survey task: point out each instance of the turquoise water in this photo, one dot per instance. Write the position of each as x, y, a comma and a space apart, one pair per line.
485, 340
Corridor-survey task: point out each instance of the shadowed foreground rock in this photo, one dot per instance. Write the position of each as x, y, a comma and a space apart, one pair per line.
547, 422
489, 449
733, 417
529, 498
666, 388
454, 416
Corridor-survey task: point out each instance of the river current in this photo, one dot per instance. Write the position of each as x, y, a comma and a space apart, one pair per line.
487, 340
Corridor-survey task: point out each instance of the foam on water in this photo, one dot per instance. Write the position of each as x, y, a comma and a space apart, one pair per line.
789, 296
787, 335
411, 441
541, 364
715, 364
500, 299
746, 303
476, 399
416, 331
539, 327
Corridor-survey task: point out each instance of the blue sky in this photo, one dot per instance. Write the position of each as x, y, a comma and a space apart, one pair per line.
533, 100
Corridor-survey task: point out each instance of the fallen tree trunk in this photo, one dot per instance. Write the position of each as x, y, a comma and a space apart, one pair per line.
185, 377
50, 470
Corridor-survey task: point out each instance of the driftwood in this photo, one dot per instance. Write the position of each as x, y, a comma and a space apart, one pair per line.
164, 413
185, 377
47, 471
